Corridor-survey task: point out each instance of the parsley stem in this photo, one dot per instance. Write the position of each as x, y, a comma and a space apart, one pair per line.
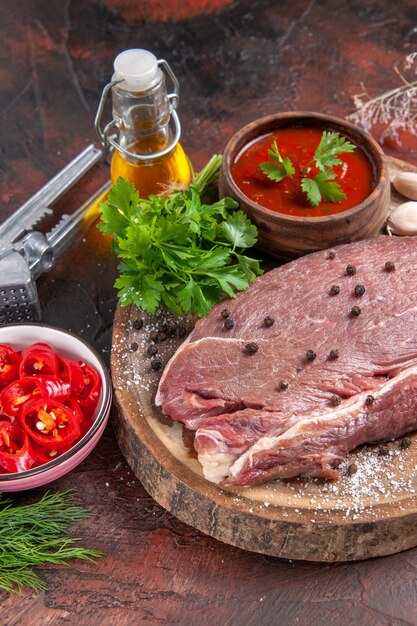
208, 174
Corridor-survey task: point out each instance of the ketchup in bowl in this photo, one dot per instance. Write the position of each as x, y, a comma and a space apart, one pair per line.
355, 174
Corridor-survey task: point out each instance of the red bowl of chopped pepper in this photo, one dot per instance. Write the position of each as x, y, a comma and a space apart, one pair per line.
55, 400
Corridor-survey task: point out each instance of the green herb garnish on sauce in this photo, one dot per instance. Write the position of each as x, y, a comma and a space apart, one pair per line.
322, 185
278, 168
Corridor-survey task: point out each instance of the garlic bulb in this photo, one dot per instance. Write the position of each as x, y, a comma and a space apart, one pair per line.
406, 184
403, 219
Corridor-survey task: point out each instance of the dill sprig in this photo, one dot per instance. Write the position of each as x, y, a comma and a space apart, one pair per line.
33, 535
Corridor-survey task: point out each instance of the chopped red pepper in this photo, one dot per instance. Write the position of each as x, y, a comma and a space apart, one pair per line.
71, 372
55, 388
18, 393
38, 358
89, 395
43, 455
14, 397
47, 403
72, 404
9, 365
16, 452
50, 424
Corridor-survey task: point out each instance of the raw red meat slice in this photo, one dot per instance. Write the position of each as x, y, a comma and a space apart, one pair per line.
317, 443
317, 352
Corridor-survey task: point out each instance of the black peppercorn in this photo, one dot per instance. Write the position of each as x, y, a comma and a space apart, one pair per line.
268, 321
138, 324
334, 354
228, 324
161, 336
153, 335
355, 311
352, 469
335, 400
181, 332
369, 399
360, 290
351, 270
171, 330
310, 355
405, 443
389, 266
334, 290
156, 364
383, 451
251, 347
283, 385
225, 313
152, 349
134, 346
332, 255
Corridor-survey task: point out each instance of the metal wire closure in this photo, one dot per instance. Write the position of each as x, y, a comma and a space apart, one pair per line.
109, 140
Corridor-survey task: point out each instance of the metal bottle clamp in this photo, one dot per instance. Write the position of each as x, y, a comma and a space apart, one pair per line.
106, 139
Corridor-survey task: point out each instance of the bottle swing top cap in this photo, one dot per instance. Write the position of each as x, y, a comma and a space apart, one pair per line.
137, 68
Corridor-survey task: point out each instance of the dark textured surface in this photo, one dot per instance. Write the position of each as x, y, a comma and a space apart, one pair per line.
235, 61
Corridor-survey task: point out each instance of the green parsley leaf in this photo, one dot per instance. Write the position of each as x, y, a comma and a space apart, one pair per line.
238, 230
321, 187
117, 211
278, 168
140, 289
192, 299
331, 144
250, 267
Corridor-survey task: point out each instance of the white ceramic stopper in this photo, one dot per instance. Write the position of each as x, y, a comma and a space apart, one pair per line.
137, 68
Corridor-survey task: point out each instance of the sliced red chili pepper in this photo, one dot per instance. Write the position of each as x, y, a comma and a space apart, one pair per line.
71, 372
89, 395
55, 388
16, 452
43, 455
17, 394
38, 358
72, 404
9, 365
50, 424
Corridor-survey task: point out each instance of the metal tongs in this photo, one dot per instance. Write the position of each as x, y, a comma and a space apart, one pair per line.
26, 253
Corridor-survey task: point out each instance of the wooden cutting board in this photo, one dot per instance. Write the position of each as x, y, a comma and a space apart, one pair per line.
370, 511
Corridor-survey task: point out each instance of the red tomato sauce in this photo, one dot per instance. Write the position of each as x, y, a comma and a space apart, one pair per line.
355, 175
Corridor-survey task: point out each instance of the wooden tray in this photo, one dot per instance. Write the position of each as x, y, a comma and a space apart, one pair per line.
370, 513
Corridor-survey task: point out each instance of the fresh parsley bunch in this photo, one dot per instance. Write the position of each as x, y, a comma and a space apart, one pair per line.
325, 158
177, 251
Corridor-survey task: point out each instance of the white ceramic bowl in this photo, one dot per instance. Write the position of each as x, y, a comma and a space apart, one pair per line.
70, 346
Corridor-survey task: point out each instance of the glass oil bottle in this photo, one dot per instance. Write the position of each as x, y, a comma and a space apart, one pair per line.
147, 151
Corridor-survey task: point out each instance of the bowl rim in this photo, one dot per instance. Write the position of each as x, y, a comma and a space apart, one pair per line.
106, 405
237, 143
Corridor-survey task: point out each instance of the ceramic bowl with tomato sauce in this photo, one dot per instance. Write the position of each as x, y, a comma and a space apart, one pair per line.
55, 400
289, 225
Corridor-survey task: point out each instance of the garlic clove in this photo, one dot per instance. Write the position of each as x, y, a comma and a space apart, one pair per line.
403, 219
406, 184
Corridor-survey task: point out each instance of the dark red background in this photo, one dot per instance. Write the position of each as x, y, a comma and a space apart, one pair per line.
235, 61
